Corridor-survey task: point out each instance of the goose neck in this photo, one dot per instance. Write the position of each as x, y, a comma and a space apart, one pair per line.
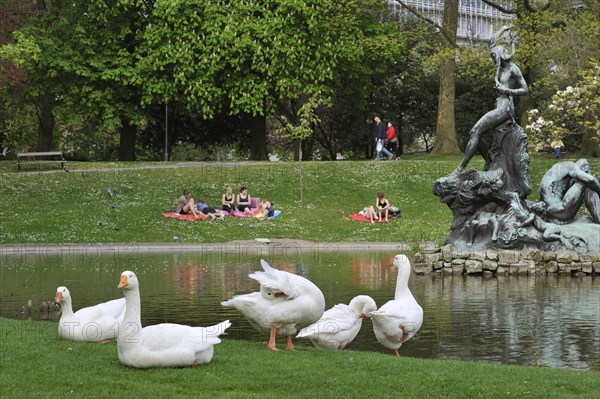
401, 284
132, 307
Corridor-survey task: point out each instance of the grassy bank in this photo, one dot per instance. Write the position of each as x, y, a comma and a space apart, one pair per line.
36, 364
76, 208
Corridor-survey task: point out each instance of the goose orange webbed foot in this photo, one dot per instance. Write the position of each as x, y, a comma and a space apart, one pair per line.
272, 347
290, 345
272, 334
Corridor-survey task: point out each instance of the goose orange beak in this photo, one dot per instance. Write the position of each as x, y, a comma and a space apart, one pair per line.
123, 282
58, 297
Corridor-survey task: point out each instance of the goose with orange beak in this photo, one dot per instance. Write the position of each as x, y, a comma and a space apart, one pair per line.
399, 319
161, 345
285, 304
98, 323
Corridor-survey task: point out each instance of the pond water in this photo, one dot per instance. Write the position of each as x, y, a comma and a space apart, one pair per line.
551, 321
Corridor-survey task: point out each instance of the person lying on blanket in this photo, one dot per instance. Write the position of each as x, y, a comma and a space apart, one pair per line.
185, 204
265, 209
211, 212
369, 212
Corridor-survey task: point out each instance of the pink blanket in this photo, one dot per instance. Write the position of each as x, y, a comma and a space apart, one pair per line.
241, 214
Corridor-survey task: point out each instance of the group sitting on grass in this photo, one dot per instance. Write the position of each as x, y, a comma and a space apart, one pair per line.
243, 205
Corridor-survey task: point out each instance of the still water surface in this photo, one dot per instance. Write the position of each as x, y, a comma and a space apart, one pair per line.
551, 321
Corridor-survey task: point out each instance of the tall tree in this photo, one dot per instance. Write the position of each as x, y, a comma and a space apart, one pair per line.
81, 55
445, 135
16, 122
251, 57
27, 53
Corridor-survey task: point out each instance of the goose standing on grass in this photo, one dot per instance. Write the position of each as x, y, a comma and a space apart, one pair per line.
161, 345
285, 304
340, 324
398, 320
98, 323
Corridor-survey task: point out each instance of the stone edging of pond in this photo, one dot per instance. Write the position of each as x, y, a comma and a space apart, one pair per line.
259, 247
432, 257
528, 261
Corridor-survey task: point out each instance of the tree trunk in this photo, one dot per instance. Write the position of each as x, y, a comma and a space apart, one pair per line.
127, 141
399, 129
307, 149
258, 147
589, 145
297, 151
445, 134
45, 123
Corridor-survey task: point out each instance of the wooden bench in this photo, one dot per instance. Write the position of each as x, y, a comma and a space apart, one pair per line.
48, 157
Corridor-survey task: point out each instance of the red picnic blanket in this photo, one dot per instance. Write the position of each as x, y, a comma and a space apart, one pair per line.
186, 216
357, 217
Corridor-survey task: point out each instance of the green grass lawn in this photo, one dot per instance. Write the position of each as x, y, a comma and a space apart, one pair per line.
75, 207
37, 364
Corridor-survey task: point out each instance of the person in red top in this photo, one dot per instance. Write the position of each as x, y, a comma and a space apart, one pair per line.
392, 140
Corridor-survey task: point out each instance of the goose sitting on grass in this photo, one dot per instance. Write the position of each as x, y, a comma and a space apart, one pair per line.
285, 304
98, 323
161, 345
398, 320
340, 324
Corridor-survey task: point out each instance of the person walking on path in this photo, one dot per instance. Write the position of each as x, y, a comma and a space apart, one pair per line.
380, 139
392, 140
557, 145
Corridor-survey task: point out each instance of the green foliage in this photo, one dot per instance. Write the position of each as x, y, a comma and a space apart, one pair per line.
475, 89
16, 130
575, 110
25, 48
247, 56
306, 119
406, 93
555, 44
101, 65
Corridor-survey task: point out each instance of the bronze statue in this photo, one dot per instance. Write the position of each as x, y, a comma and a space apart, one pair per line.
509, 83
564, 188
489, 207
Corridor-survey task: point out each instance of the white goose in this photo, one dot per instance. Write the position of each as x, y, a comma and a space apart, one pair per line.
398, 320
161, 345
340, 324
285, 304
95, 323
